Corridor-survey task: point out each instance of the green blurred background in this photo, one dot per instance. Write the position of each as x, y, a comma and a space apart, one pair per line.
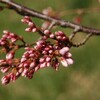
80, 81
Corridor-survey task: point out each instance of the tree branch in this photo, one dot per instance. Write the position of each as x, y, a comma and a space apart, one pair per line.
22, 10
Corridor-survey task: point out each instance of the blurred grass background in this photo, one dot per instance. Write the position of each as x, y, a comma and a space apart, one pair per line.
80, 81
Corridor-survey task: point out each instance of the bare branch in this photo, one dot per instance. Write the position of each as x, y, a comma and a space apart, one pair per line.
22, 10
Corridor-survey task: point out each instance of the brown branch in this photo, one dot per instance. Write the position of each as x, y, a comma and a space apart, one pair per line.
22, 10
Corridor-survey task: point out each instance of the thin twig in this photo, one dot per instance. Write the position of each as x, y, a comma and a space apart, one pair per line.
51, 25
77, 29
83, 42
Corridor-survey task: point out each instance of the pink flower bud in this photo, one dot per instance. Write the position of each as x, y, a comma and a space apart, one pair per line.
50, 51
13, 39
10, 55
70, 61
23, 59
45, 37
22, 20
5, 80
63, 50
3, 43
3, 62
27, 17
48, 59
48, 64
42, 60
5, 69
40, 42
20, 70
46, 32
28, 29
42, 65
21, 65
31, 55
69, 55
26, 64
64, 62
37, 68
52, 36
34, 29
32, 65
31, 24
59, 37
63, 37
44, 52
12, 77
5, 32
25, 72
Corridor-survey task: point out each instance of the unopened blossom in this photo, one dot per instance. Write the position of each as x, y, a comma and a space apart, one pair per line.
64, 62
5, 80
10, 55
31, 26
4, 69
64, 50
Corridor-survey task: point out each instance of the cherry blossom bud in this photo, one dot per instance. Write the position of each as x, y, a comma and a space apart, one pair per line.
44, 52
21, 65
69, 55
45, 37
69, 61
37, 68
5, 32
42, 65
46, 32
31, 24
12, 77
20, 70
34, 30
28, 29
48, 64
25, 72
13, 39
64, 62
42, 60
63, 50
10, 55
3, 43
26, 64
50, 51
32, 65
5, 69
23, 59
5, 80
48, 59
52, 36
3, 62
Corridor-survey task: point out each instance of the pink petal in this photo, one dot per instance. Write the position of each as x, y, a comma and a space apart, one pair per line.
63, 50
70, 61
64, 63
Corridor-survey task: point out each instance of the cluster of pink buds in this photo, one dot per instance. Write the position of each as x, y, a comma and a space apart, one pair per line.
51, 50
31, 26
7, 37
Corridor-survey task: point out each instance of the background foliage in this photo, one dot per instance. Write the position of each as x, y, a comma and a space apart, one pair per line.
80, 81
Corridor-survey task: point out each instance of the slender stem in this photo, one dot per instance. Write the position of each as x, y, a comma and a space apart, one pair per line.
83, 42
51, 25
